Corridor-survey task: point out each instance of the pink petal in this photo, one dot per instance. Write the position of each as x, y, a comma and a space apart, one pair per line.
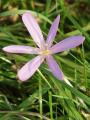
54, 67
53, 31
67, 43
30, 68
33, 28
21, 49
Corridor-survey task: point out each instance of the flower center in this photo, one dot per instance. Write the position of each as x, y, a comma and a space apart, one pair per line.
46, 52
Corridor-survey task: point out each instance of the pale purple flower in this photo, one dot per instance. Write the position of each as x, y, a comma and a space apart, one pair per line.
45, 49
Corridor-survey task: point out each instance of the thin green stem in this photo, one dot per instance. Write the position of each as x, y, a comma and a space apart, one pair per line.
50, 105
44, 78
40, 98
85, 72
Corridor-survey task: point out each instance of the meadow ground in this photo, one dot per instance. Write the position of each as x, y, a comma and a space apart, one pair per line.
43, 97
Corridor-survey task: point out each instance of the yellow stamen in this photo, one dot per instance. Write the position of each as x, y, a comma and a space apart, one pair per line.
45, 52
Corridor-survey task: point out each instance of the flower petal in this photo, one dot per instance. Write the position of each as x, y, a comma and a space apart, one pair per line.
53, 31
54, 67
67, 43
30, 68
21, 49
33, 28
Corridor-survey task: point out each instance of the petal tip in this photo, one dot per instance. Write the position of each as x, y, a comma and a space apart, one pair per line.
5, 49
26, 14
58, 17
62, 76
21, 78
82, 38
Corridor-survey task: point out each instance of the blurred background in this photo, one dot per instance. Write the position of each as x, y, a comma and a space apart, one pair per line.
43, 97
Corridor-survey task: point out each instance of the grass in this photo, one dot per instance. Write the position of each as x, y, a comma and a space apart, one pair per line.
43, 97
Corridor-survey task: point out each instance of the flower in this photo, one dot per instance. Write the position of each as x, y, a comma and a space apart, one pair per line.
45, 49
